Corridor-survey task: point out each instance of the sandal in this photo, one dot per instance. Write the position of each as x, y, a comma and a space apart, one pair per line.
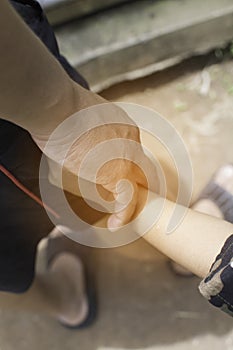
220, 191
58, 244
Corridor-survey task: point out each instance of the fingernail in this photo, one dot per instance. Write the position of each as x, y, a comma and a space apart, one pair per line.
114, 223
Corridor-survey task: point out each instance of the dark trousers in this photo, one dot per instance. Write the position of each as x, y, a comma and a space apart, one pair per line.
23, 222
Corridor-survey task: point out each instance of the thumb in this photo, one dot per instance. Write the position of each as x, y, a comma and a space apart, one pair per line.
127, 200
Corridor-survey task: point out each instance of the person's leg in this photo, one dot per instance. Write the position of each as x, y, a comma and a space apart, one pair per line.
59, 292
24, 223
217, 197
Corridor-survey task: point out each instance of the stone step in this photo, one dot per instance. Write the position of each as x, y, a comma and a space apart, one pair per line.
60, 11
136, 39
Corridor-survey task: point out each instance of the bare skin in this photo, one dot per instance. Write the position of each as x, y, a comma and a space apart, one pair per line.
196, 241
38, 95
189, 245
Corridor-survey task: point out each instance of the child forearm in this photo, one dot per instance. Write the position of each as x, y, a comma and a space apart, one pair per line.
195, 243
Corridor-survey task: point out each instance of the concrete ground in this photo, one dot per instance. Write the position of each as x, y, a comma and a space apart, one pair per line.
142, 305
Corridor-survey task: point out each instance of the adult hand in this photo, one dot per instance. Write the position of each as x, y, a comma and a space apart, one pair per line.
100, 147
38, 95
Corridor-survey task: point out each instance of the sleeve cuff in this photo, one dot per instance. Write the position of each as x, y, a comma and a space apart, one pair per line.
217, 287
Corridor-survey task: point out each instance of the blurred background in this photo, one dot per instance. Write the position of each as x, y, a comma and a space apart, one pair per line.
174, 56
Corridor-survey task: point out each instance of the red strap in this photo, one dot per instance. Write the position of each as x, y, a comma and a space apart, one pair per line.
27, 191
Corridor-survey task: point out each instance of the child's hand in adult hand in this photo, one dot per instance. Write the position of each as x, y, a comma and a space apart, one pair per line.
103, 158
